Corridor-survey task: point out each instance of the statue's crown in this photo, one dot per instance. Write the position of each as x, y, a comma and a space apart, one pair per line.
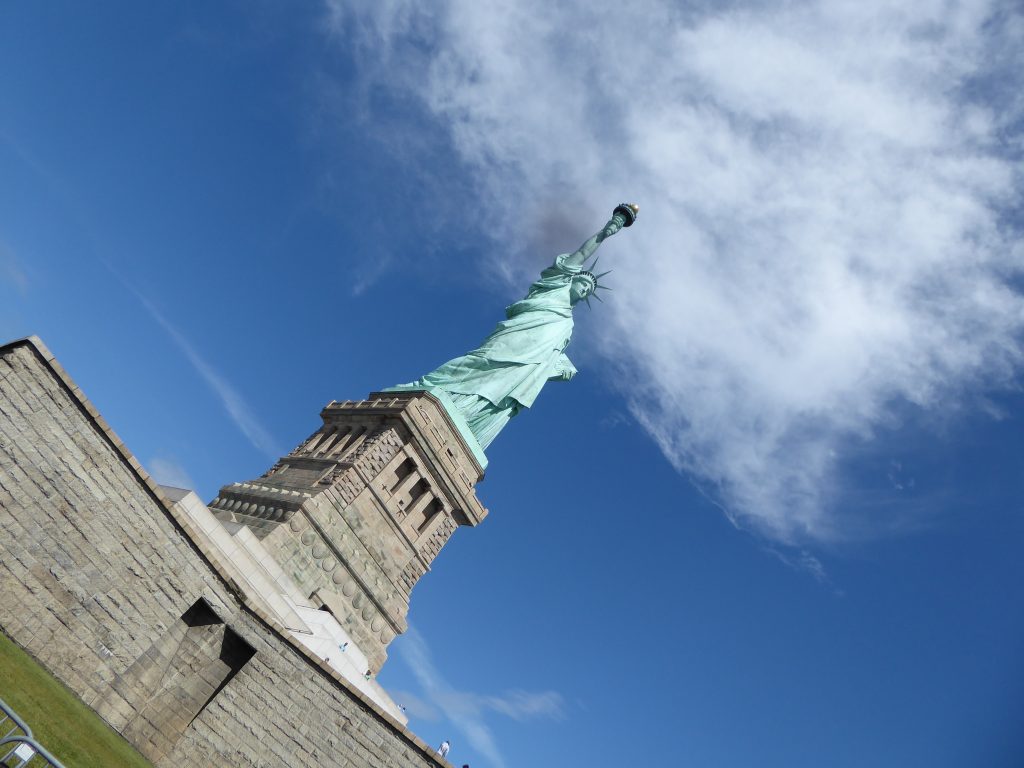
594, 281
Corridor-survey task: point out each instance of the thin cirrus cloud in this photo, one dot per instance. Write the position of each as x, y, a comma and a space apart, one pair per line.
11, 270
234, 405
826, 233
464, 710
169, 471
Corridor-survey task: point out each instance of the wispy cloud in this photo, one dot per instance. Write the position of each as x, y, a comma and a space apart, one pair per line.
234, 405
519, 705
167, 471
829, 228
466, 710
11, 270
415, 706
802, 560
897, 477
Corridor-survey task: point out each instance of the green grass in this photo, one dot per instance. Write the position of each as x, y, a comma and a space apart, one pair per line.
71, 731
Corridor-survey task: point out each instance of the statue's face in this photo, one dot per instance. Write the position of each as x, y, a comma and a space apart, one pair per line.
580, 288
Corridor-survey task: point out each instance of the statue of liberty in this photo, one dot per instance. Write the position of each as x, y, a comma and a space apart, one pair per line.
504, 375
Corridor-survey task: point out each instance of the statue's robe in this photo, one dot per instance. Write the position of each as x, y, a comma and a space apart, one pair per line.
507, 371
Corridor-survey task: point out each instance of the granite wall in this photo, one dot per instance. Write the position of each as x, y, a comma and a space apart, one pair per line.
101, 581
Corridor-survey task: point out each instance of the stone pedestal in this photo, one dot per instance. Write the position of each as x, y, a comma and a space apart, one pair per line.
356, 513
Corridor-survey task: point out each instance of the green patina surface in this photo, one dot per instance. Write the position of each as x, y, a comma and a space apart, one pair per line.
458, 419
485, 388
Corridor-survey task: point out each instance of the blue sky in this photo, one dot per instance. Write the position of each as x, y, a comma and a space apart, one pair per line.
775, 520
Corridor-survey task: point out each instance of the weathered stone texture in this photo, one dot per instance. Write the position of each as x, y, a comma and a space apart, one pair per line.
356, 513
101, 583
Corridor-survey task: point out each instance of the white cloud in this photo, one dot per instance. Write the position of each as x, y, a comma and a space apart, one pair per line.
802, 560
415, 706
466, 710
826, 188
235, 406
11, 270
168, 471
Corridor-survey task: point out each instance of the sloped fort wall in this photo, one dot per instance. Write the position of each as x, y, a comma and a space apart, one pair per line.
101, 582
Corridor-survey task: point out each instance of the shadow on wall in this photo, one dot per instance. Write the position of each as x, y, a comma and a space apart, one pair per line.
168, 686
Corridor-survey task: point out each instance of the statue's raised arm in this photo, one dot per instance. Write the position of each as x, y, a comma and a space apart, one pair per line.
485, 388
623, 216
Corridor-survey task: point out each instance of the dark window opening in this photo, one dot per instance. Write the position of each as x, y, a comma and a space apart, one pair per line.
433, 508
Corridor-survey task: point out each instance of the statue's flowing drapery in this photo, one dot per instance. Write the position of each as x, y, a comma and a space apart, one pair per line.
506, 372
488, 386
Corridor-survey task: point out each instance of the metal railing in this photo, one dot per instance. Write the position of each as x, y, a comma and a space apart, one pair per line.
17, 743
